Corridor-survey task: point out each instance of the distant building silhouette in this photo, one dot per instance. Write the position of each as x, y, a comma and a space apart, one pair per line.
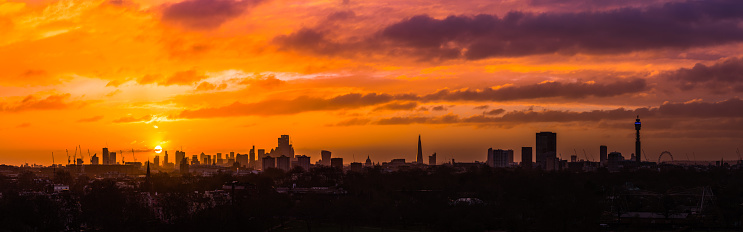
325, 158
355, 167
105, 157
155, 161
282, 162
368, 162
304, 162
165, 159
284, 148
112, 158
336, 162
179, 156
546, 150
94, 160
268, 162
195, 160
251, 162
183, 164
526, 155
602, 155
638, 148
432, 159
419, 158
614, 160
500, 158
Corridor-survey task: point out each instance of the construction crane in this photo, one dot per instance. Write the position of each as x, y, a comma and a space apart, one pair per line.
645, 155
586, 155
54, 167
68, 156
133, 156
74, 157
122, 156
576, 153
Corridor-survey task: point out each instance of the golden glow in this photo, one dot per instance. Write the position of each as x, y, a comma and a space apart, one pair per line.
104, 73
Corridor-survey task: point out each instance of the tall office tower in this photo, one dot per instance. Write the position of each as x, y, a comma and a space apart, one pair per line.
165, 158
336, 163
179, 156
261, 153
285, 147
104, 155
304, 162
232, 155
526, 157
638, 149
546, 150
325, 158
156, 161
489, 160
219, 159
602, 155
419, 158
112, 158
251, 162
282, 162
432, 159
269, 162
502, 158
94, 159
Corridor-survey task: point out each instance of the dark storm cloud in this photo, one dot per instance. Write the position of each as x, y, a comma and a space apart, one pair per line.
673, 25
542, 90
410, 101
205, 14
723, 111
723, 76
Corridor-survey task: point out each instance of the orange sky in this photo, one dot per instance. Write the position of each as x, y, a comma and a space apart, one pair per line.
365, 78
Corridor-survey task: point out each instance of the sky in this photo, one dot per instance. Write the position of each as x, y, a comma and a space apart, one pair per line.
365, 78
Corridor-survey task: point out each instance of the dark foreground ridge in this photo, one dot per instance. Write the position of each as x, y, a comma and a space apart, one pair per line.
434, 198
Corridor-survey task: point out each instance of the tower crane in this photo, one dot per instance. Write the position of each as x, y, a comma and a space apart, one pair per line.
133, 156
646, 155
122, 157
74, 157
586, 155
68, 156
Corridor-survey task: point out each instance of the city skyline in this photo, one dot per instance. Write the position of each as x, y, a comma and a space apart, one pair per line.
365, 78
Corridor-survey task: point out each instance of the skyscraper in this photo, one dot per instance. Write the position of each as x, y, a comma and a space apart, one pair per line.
165, 158
251, 162
432, 159
285, 147
526, 157
602, 155
419, 158
638, 148
112, 158
325, 158
546, 150
179, 156
155, 161
104, 155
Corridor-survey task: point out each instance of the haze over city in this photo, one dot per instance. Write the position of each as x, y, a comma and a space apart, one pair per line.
366, 78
